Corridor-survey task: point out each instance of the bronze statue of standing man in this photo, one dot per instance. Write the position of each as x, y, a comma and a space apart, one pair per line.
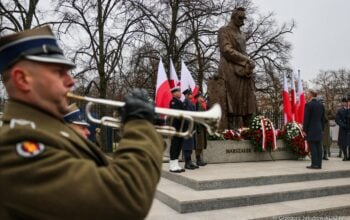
235, 80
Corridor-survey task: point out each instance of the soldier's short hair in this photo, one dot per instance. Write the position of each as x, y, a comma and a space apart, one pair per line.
313, 93
5, 76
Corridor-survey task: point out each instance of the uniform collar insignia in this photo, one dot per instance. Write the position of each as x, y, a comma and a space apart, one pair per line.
28, 149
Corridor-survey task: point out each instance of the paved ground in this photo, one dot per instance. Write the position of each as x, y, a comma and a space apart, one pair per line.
254, 169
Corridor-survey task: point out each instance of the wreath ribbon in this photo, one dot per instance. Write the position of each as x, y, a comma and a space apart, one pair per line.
263, 128
306, 148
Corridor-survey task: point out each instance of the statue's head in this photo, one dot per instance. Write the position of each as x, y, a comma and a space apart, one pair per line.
238, 16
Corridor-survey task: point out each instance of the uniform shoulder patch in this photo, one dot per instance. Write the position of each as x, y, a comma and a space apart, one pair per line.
29, 149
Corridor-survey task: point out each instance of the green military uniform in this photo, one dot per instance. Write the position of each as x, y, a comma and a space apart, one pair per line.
48, 171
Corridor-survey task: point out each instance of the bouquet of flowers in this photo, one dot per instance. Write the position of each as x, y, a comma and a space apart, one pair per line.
294, 139
245, 133
262, 134
279, 134
232, 135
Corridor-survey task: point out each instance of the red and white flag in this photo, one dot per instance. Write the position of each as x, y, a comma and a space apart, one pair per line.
187, 81
300, 101
174, 80
286, 102
163, 94
293, 98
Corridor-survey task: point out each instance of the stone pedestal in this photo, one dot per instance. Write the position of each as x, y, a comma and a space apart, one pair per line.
227, 151
243, 151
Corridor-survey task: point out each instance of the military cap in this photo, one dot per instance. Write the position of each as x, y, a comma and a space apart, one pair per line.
344, 99
187, 91
175, 89
38, 45
74, 116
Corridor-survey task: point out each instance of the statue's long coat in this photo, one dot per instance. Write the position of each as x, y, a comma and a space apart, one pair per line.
239, 80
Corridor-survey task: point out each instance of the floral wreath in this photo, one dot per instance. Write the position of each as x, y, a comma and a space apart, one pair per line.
294, 139
262, 134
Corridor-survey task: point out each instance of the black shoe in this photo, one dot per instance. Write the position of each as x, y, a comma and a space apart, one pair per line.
313, 167
325, 158
201, 163
194, 165
345, 159
190, 166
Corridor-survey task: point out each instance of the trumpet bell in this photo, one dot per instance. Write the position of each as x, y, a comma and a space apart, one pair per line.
209, 119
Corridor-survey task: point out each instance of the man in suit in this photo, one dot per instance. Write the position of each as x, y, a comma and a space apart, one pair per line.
343, 121
313, 127
47, 170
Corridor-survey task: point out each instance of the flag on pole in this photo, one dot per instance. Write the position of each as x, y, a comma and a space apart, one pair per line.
174, 80
163, 94
301, 101
293, 101
287, 113
187, 81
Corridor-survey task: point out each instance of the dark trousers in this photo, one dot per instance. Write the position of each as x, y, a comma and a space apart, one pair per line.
187, 155
316, 153
346, 151
175, 148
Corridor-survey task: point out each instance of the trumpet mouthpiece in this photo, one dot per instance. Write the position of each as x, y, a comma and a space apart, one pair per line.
73, 96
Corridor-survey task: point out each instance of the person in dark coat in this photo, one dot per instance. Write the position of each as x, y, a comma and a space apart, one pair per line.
201, 131
176, 142
189, 143
313, 127
342, 120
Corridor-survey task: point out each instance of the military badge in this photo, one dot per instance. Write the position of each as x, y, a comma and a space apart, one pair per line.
29, 149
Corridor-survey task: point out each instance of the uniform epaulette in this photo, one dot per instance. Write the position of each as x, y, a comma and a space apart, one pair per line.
15, 122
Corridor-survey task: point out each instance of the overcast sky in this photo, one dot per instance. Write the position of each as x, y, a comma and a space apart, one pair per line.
321, 40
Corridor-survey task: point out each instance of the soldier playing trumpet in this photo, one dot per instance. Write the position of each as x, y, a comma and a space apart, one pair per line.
48, 171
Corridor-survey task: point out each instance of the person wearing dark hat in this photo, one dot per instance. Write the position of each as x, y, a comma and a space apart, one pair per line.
189, 143
342, 121
74, 120
176, 142
201, 131
48, 171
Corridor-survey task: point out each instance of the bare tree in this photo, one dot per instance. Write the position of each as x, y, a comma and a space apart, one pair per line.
99, 33
332, 85
17, 15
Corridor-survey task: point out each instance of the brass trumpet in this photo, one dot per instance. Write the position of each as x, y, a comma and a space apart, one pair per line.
209, 119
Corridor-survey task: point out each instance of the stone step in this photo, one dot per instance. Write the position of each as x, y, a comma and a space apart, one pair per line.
328, 206
184, 199
235, 175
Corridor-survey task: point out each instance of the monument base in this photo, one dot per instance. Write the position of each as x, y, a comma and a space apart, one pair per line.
227, 151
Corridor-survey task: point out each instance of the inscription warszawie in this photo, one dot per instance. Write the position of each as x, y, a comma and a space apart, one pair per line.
250, 150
